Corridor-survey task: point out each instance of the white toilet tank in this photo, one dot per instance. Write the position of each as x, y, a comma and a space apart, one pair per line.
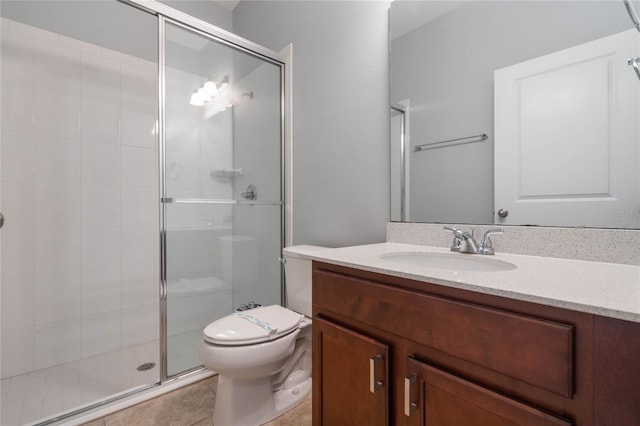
297, 272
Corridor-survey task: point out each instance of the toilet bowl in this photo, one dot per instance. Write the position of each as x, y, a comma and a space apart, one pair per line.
263, 355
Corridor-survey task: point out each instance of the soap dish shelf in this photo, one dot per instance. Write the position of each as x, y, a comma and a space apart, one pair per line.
226, 173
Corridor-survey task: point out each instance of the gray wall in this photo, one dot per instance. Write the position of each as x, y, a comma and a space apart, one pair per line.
340, 112
446, 69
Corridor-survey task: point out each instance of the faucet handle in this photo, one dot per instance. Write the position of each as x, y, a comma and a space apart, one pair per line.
486, 246
459, 233
458, 237
494, 231
455, 244
454, 230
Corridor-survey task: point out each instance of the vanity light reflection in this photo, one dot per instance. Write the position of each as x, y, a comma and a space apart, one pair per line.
208, 91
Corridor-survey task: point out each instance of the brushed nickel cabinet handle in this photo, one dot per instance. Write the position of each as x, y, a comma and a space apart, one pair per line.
409, 406
374, 383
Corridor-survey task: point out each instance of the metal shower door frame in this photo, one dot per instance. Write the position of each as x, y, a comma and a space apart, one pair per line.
166, 15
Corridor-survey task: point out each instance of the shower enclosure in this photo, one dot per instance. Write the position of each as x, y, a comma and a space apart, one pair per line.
142, 192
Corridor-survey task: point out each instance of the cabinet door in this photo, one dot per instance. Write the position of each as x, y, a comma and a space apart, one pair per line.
435, 397
350, 382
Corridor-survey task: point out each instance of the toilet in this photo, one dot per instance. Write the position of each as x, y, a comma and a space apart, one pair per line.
263, 355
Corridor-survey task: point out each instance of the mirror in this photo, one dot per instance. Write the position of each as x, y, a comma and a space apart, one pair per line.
463, 69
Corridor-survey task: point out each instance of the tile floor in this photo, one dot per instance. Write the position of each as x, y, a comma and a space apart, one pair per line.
190, 406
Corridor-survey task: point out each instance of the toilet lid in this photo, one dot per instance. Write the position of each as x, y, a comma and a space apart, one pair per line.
253, 326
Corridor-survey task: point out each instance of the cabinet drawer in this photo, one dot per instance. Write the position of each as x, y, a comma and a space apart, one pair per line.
532, 350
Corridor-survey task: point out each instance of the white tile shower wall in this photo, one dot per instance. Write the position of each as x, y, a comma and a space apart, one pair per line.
598, 245
197, 289
79, 190
195, 252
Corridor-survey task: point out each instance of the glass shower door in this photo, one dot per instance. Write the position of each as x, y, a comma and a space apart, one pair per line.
222, 185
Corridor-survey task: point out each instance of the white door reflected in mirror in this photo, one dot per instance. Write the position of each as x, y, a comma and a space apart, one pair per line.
566, 137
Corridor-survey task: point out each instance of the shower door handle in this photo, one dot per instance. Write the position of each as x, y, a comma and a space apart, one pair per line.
1, 220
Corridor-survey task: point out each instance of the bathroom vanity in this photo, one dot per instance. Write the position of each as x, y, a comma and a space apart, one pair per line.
548, 342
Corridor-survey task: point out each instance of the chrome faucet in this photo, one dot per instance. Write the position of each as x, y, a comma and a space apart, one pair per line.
463, 241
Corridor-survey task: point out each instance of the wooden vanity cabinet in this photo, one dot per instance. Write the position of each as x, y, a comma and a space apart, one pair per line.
393, 351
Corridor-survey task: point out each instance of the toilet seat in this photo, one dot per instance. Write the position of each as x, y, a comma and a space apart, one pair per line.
253, 326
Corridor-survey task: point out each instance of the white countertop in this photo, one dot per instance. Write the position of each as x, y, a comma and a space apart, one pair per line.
607, 289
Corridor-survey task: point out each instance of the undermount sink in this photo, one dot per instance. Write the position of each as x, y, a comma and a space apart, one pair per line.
449, 261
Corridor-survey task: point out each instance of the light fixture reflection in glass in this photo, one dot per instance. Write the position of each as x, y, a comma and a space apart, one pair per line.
224, 82
196, 99
210, 89
203, 95
225, 101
